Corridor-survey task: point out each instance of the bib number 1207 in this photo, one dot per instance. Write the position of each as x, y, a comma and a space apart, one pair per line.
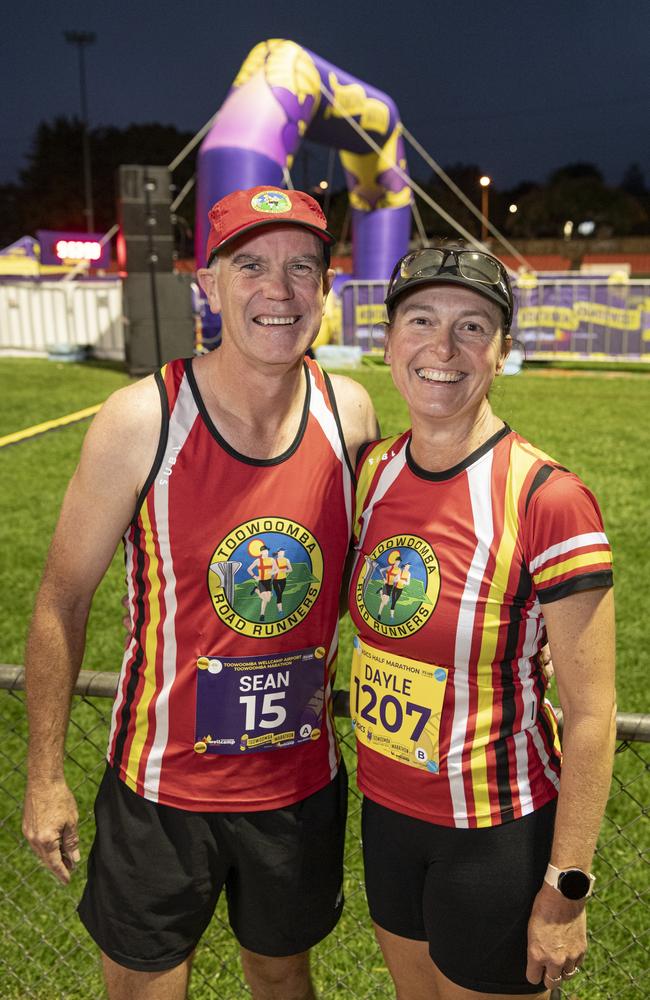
391, 711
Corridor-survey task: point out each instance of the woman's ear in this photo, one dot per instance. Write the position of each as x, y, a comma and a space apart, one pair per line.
505, 351
387, 343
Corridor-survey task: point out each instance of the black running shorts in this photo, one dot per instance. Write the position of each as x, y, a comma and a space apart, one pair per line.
468, 892
155, 874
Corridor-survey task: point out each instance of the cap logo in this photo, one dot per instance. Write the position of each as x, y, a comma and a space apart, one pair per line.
271, 202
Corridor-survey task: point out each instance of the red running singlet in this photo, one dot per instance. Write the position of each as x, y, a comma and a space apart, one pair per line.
224, 698
448, 700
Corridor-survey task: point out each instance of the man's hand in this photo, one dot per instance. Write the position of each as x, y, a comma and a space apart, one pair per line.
126, 617
545, 663
50, 820
557, 938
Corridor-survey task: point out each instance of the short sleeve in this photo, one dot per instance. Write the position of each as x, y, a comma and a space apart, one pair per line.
567, 549
362, 451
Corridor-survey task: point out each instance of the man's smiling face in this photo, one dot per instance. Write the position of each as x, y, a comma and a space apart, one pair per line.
270, 288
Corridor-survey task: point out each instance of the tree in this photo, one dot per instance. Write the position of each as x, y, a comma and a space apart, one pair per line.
574, 172
10, 229
577, 193
465, 177
634, 181
51, 191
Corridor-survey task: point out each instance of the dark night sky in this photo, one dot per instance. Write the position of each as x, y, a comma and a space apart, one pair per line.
519, 88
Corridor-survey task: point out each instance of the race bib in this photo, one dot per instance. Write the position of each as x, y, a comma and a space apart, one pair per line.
246, 704
395, 704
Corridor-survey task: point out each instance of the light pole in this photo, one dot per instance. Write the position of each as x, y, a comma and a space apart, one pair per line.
81, 39
485, 182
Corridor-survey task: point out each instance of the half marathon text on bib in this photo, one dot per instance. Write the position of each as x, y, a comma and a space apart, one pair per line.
246, 704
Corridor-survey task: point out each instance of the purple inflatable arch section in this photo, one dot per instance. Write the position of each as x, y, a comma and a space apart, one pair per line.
284, 92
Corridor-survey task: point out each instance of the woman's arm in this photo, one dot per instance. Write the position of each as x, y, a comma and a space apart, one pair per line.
582, 636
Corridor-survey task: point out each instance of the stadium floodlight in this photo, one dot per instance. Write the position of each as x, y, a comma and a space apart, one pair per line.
81, 39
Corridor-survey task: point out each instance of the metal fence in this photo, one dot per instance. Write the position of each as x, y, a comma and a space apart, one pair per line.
46, 953
568, 316
576, 316
39, 316
560, 316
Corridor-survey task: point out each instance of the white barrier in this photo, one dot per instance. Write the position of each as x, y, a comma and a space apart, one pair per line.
568, 316
37, 316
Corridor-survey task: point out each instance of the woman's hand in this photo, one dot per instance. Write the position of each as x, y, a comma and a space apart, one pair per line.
581, 631
557, 938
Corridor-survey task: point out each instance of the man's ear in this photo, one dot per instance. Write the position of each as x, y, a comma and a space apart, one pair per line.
207, 279
328, 278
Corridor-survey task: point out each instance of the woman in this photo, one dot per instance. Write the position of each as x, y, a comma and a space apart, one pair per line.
477, 859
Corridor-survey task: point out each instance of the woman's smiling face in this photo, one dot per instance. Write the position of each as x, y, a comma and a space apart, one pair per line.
445, 345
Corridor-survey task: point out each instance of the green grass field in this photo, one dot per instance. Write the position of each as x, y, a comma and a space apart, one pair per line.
593, 422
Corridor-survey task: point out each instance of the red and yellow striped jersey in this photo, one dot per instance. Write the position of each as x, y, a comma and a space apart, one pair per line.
224, 698
283, 565
487, 544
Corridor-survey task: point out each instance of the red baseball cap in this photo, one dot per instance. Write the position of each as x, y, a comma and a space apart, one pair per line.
241, 211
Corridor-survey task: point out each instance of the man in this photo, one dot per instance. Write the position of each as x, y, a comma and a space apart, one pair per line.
223, 764
262, 569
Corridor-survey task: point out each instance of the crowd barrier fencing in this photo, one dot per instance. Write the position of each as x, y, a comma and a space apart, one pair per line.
46, 954
61, 317
562, 317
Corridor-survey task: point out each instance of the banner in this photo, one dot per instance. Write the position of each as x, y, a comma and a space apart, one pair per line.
583, 318
555, 317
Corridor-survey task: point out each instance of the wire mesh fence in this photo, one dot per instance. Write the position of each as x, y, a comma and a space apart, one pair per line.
46, 954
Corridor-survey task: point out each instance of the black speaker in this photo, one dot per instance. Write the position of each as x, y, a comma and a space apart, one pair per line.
159, 322
145, 218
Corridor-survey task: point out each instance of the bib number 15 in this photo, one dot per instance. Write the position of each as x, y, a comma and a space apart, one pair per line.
269, 715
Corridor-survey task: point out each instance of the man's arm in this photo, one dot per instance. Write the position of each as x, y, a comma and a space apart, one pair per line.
358, 417
359, 425
582, 637
117, 455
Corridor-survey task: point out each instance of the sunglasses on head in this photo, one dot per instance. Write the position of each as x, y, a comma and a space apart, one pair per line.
473, 266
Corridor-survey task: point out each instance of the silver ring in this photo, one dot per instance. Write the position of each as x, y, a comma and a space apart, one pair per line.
551, 979
569, 975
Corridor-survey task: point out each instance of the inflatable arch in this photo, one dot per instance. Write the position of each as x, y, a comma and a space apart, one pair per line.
275, 101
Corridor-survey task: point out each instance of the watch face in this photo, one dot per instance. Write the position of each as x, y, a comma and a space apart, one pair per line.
573, 884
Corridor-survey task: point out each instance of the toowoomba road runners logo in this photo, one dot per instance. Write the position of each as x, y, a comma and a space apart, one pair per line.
265, 576
398, 585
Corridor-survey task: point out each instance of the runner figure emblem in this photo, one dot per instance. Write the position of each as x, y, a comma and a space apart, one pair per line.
265, 576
